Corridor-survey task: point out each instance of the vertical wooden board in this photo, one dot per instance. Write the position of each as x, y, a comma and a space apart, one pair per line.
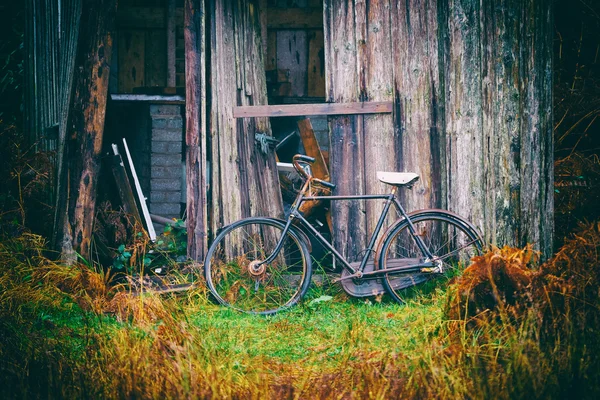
292, 55
131, 60
376, 85
418, 100
155, 62
347, 144
171, 42
536, 145
271, 58
464, 111
316, 64
501, 69
244, 180
195, 128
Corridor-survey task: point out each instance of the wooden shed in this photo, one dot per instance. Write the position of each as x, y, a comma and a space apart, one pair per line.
458, 91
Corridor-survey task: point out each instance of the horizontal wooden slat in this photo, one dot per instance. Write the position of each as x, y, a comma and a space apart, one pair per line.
296, 110
295, 18
158, 99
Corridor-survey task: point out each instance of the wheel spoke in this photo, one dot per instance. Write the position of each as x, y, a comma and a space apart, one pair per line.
444, 238
238, 277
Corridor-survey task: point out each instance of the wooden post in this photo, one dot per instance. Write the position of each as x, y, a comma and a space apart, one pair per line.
195, 127
85, 129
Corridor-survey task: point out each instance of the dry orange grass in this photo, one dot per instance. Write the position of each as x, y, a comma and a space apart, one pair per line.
512, 330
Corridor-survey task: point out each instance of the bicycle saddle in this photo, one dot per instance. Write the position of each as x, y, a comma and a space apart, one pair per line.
398, 178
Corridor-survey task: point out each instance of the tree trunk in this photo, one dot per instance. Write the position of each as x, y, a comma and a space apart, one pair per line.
195, 127
244, 179
81, 159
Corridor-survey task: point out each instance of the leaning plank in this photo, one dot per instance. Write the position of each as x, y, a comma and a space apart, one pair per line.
319, 168
142, 199
123, 185
296, 110
312, 149
157, 219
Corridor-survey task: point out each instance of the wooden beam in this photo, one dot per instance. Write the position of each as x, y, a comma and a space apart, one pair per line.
297, 110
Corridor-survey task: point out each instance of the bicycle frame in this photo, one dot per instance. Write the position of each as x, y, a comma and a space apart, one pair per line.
356, 272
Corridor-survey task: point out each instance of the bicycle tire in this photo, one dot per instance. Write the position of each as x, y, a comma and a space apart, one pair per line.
271, 288
447, 236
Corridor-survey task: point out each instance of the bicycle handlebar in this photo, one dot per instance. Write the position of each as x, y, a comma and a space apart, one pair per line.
298, 158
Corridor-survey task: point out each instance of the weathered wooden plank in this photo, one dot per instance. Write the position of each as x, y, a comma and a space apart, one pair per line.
311, 148
170, 23
271, 57
195, 128
375, 64
131, 60
155, 63
124, 186
537, 145
464, 140
419, 100
294, 110
292, 56
316, 64
241, 173
86, 122
347, 163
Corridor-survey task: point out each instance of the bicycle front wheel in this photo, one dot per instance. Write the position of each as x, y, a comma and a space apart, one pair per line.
238, 278
451, 241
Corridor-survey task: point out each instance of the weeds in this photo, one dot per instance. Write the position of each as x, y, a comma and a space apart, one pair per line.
68, 332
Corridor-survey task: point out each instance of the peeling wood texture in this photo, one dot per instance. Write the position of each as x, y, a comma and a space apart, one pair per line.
79, 176
471, 86
195, 127
132, 48
244, 181
357, 50
418, 111
499, 118
50, 43
299, 110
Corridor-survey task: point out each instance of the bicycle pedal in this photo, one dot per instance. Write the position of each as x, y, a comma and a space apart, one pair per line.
431, 270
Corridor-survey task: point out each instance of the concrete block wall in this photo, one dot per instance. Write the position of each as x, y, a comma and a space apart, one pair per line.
321, 128
166, 162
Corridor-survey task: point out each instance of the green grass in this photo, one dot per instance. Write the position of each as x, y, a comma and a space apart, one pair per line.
62, 334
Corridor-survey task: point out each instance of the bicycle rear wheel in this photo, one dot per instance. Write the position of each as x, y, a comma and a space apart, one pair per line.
451, 240
237, 277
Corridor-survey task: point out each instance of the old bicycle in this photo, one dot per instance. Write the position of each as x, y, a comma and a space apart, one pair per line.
262, 265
